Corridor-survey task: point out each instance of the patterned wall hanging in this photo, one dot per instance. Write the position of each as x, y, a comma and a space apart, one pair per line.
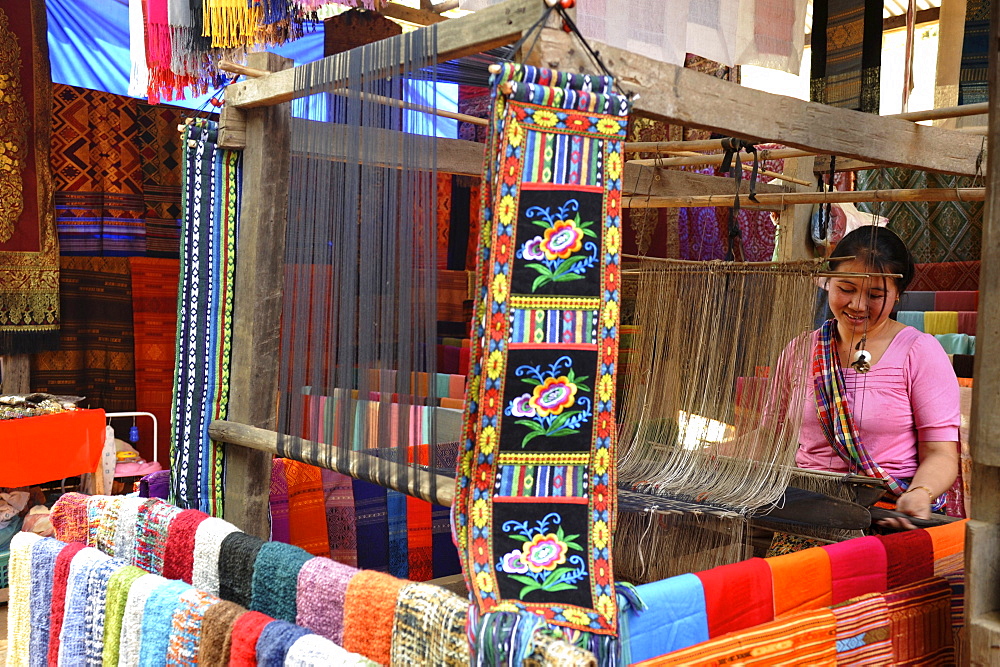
29, 250
535, 507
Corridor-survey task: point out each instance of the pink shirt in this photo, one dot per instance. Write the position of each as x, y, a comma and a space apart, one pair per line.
909, 396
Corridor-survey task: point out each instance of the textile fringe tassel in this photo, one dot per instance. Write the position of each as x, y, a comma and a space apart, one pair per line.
523, 638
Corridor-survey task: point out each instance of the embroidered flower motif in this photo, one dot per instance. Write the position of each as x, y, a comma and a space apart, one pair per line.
553, 396
545, 118
613, 166
505, 606
532, 249
605, 387
506, 210
480, 513
574, 615
500, 288
608, 126
544, 552
577, 122
562, 239
602, 457
605, 606
610, 314
494, 364
521, 406
602, 535
513, 563
484, 581
612, 240
515, 133
487, 440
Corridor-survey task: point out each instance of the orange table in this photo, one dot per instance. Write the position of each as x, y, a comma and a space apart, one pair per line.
50, 447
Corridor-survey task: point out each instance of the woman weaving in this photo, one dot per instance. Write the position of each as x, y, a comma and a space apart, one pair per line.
884, 400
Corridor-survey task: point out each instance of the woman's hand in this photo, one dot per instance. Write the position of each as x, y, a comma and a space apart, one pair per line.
916, 504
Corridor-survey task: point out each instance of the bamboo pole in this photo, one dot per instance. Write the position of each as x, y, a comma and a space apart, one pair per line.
760, 172
945, 112
788, 198
718, 158
427, 486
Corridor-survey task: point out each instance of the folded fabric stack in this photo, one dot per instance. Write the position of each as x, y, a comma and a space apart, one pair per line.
873, 600
950, 316
143, 582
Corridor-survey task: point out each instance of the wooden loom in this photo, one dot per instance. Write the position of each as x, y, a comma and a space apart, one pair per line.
257, 109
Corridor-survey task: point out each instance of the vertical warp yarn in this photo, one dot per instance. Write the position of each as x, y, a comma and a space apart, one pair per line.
246, 631
72, 637
236, 561
275, 579
185, 632
322, 591
429, 627
19, 613
130, 640
69, 517
207, 543
60, 580
275, 640
157, 615
114, 610
128, 518
369, 609
178, 559
216, 633
44, 554
97, 595
311, 650
151, 535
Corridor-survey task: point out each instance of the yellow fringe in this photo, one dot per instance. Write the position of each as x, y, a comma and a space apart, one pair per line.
230, 23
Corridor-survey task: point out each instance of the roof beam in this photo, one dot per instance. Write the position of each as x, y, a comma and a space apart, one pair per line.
679, 95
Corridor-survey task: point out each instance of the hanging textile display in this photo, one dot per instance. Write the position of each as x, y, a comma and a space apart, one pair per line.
973, 86
771, 33
116, 167
535, 500
935, 232
96, 355
204, 323
847, 53
29, 250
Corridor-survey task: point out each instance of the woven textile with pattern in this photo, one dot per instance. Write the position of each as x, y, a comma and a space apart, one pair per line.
847, 53
29, 249
535, 502
428, 612
208, 265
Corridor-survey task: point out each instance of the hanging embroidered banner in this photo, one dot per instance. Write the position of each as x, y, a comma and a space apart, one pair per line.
535, 507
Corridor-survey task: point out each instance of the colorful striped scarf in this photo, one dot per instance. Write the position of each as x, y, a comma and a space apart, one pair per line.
44, 554
835, 415
186, 624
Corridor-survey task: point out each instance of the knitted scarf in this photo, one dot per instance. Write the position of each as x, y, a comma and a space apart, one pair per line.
208, 539
151, 534
73, 636
275, 579
19, 613
132, 620
128, 518
369, 609
97, 595
309, 650
44, 555
246, 631
429, 627
216, 633
178, 559
185, 634
60, 579
275, 640
236, 560
157, 621
119, 586
322, 591
69, 518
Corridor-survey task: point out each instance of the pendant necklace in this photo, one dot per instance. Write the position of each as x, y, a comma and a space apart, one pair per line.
861, 359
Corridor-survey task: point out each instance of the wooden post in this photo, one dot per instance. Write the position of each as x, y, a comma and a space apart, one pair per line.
951, 33
794, 238
15, 374
982, 546
258, 302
